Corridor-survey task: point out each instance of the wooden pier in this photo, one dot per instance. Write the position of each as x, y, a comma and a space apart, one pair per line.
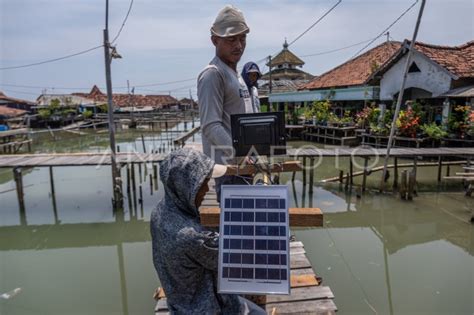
12, 141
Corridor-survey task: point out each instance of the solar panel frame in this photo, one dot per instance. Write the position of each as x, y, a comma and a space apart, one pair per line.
254, 243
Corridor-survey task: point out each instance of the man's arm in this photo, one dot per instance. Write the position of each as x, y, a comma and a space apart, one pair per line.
203, 248
211, 107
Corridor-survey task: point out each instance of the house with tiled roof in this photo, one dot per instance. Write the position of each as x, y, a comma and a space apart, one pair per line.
434, 72
376, 76
16, 103
122, 102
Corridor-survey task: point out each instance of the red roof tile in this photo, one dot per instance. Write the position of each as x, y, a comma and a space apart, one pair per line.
11, 112
126, 100
355, 71
459, 60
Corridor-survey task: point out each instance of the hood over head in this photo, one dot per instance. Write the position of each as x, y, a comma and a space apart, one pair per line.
183, 172
250, 67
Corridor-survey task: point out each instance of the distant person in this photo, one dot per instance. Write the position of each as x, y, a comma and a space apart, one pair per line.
222, 91
185, 254
251, 74
438, 118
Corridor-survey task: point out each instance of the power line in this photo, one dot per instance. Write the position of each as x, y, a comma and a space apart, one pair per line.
337, 49
165, 83
123, 23
314, 24
52, 60
385, 30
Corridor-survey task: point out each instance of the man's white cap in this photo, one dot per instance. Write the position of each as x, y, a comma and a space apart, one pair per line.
230, 21
218, 170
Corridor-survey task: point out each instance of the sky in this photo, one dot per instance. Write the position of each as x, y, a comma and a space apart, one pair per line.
167, 41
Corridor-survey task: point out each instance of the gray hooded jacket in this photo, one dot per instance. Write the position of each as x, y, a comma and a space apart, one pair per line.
184, 254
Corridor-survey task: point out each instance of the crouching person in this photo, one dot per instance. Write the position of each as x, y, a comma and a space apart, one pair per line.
184, 253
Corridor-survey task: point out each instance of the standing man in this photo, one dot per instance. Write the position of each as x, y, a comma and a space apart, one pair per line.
222, 91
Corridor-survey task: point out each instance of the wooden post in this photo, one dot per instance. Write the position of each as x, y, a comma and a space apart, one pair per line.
364, 178
20, 194
311, 175
143, 143
341, 176
140, 201
293, 177
128, 179
395, 173
351, 171
440, 168
151, 184
140, 172
304, 171
403, 184
53, 195
447, 171
346, 187
411, 184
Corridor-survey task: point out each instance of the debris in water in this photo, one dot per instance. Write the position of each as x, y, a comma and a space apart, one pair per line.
9, 295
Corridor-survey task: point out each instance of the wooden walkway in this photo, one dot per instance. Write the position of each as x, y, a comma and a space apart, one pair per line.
88, 159
308, 295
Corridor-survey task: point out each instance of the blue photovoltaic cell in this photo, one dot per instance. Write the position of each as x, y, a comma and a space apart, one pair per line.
273, 203
235, 230
247, 230
236, 203
261, 230
247, 273
282, 245
261, 203
283, 259
283, 274
273, 230
226, 243
248, 204
261, 244
227, 215
261, 217
282, 230
282, 204
260, 273
282, 217
236, 216
235, 258
226, 229
225, 272
273, 216
225, 258
247, 258
273, 245
248, 216
235, 273
261, 259
227, 203
273, 274
235, 244
247, 244
273, 259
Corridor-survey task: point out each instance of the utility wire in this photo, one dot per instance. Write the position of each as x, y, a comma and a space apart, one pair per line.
52, 60
314, 24
337, 49
385, 30
123, 23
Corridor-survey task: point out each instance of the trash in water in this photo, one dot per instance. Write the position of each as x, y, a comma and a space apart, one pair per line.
9, 295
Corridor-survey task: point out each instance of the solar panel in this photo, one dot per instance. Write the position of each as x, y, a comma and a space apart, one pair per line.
254, 240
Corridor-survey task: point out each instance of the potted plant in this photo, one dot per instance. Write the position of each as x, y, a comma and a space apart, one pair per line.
408, 123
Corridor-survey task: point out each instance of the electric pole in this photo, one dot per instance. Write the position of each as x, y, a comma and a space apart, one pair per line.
270, 82
116, 181
400, 95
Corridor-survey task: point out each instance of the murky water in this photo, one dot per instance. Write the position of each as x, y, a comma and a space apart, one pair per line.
72, 254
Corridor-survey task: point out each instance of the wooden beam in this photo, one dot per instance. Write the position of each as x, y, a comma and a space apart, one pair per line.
288, 166
302, 217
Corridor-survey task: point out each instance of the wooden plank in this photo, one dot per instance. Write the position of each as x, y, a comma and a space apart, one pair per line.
305, 280
325, 306
303, 217
302, 294
299, 261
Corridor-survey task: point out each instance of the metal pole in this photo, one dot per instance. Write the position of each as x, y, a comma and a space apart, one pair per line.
400, 94
110, 110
